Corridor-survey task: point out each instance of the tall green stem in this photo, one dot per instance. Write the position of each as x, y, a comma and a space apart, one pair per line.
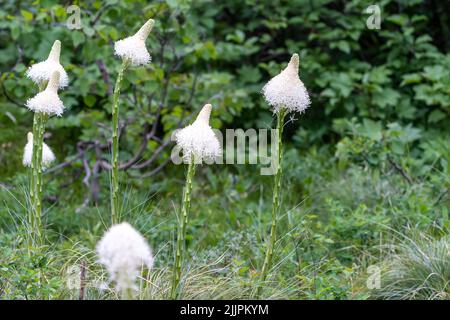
181, 238
275, 200
115, 147
35, 208
35, 214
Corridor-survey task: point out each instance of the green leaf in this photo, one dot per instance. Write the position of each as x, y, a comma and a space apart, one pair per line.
77, 37
398, 19
387, 97
27, 15
435, 73
436, 116
372, 129
89, 100
15, 32
344, 46
411, 78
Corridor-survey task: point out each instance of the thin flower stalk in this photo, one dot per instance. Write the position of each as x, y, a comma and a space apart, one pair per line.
198, 142
49, 75
115, 146
133, 52
183, 222
47, 158
40, 119
34, 214
275, 198
285, 93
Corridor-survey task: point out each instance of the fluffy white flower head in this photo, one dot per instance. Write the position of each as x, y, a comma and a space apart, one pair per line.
48, 101
133, 48
123, 251
47, 155
287, 90
198, 139
42, 71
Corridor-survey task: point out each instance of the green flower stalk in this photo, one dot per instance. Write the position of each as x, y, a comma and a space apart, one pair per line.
285, 93
181, 236
115, 147
133, 51
32, 159
37, 155
198, 143
49, 75
36, 167
275, 195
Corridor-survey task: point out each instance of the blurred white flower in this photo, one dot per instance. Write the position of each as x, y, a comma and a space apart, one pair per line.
133, 48
198, 139
48, 101
47, 155
287, 90
42, 71
123, 251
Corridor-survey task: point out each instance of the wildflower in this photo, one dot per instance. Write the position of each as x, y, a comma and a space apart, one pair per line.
285, 93
51, 75
198, 142
123, 251
42, 71
198, 139
48, 101
47, 154
286, 90
133, 48
133, 51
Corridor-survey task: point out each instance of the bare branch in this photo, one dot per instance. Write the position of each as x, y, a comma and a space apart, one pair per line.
105, 75
153, 157
399, 169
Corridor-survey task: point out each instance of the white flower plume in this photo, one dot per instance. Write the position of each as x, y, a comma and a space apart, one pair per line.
198, 139
287, 90
123, 251
42, 71
48, 101
133, 48
47, 155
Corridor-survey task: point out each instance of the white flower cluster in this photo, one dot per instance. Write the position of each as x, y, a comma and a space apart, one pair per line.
198, 139
48, 101
133, 48
47, 155
287, 90
123, 251
42, 71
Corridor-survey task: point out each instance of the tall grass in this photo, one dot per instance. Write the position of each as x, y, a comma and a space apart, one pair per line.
417, 268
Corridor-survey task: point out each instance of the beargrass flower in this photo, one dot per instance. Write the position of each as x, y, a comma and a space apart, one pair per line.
50, 75
198, 139
286, 90
133, 48
47, 154
42, 71
123, 251
198, 142
133, 51
48, 101
285, 93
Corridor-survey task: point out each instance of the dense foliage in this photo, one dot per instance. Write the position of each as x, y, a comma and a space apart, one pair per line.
369, 158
